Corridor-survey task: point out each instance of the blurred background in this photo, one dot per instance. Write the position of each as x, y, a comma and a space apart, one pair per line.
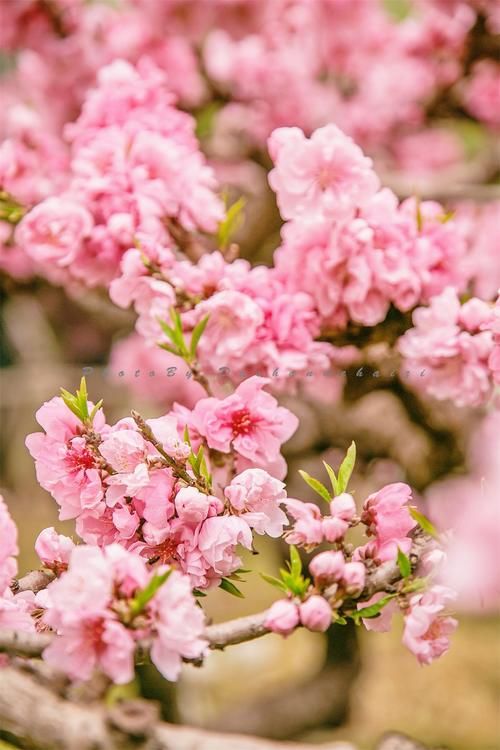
405, 79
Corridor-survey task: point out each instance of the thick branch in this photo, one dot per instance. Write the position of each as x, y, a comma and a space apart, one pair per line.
37, 717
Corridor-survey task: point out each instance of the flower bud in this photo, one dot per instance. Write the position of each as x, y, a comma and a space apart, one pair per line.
283, 617
191, 505
316, 614
354, 577
327, 567
53, 549
343, 506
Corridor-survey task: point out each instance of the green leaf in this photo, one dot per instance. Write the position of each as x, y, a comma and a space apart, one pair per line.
205, 119
95, 410
231, 223
274, 582
333, 478
71, 402
228, 586
295, 562
316, 485
142, 598
373, 610
171, 349
197, 334
404, 564
339, 620
346, 468
424, 522
199, 594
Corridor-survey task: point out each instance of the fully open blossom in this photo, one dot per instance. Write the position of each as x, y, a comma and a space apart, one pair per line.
327, 173
250, 421
54, 230
427, 627
256, 497
66, 466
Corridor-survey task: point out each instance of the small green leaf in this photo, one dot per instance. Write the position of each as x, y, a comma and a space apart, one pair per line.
170, 349
95, 410
346, 468
199, 594
197, 334
274, 582
339, 620
295, 562
231, 223
142, 598
373, 610
226, 585
172, 334
404, 564
316, 485
333, 478
424, 522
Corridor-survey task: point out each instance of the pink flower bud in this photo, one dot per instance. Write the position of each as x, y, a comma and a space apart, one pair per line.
283, 617
327, 567
334, 528
316, 614
354, 577
52, 548
343, 507
191, 505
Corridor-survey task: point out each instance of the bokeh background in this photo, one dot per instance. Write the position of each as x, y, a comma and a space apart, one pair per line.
350, 685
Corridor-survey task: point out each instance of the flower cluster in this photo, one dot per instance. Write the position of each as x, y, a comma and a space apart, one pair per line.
350, 245
135, 162
142, 485
106, 603
451, 352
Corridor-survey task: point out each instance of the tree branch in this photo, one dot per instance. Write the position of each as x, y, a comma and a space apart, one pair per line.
228, 633
37, 717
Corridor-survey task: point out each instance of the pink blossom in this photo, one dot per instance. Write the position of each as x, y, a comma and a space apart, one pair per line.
192, 506
427, 629
218, 538
308, 526
256, 497
446, 353
388, 519
315, 614
178, 626
54, 549
249, 420
283, 617
482, 92
327, 173
234, 319
327, 567
66, 465
8, 547
343, 510
15, 611
54, 230
123, 449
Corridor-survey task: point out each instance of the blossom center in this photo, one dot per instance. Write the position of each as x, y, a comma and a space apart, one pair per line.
241, 422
